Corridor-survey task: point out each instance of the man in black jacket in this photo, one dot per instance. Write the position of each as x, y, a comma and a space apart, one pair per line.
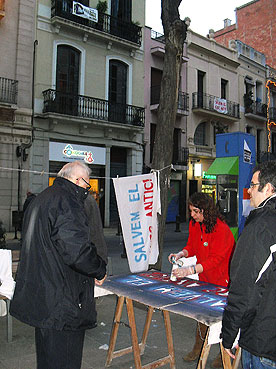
251, 307
55, 281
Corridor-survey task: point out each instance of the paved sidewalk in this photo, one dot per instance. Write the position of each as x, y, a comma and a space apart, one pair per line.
20, 353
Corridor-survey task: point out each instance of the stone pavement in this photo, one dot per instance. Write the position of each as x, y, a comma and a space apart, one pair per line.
20, 353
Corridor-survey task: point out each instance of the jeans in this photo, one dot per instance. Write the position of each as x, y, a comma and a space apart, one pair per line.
250, 361
58, 349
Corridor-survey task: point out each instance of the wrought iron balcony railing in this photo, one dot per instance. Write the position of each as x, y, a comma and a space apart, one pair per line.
272, 114
106, 23
256, 108
215, 104
8, 90
183, 98
93, 108
181, 156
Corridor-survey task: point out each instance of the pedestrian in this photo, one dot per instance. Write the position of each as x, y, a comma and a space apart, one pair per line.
28, 200
55, 281
212, 242
252, 294
95, 226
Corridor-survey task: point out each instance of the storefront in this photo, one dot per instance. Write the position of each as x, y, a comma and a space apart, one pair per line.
61, 153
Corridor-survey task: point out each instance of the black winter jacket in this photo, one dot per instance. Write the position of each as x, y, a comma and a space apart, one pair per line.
55, 280
252, 295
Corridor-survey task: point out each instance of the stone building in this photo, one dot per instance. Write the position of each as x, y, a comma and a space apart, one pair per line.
17, 20
89, 95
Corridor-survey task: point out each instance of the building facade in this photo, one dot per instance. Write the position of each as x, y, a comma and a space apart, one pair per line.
154, 59
89, 93
214, 91
17, 24
255, 26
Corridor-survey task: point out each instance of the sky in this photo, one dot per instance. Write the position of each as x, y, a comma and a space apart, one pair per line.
204, 14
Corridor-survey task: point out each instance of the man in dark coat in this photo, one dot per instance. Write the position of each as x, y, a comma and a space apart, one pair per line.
252, 293
55, 281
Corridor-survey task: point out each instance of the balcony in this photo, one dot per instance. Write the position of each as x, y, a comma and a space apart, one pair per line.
213, 105
180, 157
272, 114
106, 23
182, 105
8, 91
92, 108
255, 110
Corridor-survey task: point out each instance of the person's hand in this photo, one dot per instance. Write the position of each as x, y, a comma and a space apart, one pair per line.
101, 281
229, 352
177, 256
183, 272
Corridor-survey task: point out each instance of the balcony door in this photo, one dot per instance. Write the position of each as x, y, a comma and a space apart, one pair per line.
121, 17
67, 80
121, 9
200, 87
117, 91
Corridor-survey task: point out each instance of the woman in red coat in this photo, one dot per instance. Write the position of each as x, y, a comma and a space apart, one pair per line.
212, 242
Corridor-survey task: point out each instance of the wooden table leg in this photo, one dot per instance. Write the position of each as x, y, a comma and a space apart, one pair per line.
169, 338
237, 358
204, 352
146, 330
227, 360
134, 338
114, 332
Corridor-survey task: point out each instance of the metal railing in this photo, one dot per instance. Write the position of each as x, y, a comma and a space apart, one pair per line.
183, 98
106, 23
93, 108
8, 90
181, 156
272, 114
256, 108
207, 102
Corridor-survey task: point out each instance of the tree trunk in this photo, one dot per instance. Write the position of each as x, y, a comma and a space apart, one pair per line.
175, 35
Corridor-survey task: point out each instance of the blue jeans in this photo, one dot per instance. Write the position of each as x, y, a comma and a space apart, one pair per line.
250, 361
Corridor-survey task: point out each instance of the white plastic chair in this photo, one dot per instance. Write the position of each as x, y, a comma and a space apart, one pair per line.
7, 285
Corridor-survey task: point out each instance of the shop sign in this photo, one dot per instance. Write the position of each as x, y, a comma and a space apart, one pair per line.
66, 152
208, 176
246, 153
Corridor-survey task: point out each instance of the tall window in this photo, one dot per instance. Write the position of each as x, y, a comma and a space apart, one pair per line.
121, 9
67, 79
200, 87
200, 135
117, 90
223, 84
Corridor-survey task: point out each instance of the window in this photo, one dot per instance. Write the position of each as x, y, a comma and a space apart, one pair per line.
200, 87
223, 85
121, 9
156, 77
200, 134
117, 90
67, 79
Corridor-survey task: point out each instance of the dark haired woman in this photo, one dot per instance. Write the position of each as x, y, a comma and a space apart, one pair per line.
212, 242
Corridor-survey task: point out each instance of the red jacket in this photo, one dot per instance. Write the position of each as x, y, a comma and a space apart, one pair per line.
213, 251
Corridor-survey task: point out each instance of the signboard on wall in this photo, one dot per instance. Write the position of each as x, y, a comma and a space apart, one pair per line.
66, 152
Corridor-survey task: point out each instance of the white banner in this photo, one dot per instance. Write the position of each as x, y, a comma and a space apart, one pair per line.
85, 12
138, 200
220, 105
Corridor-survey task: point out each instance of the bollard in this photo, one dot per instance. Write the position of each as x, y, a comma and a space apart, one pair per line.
177, 223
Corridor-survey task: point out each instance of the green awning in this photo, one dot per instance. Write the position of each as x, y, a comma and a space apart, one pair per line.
224, 166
